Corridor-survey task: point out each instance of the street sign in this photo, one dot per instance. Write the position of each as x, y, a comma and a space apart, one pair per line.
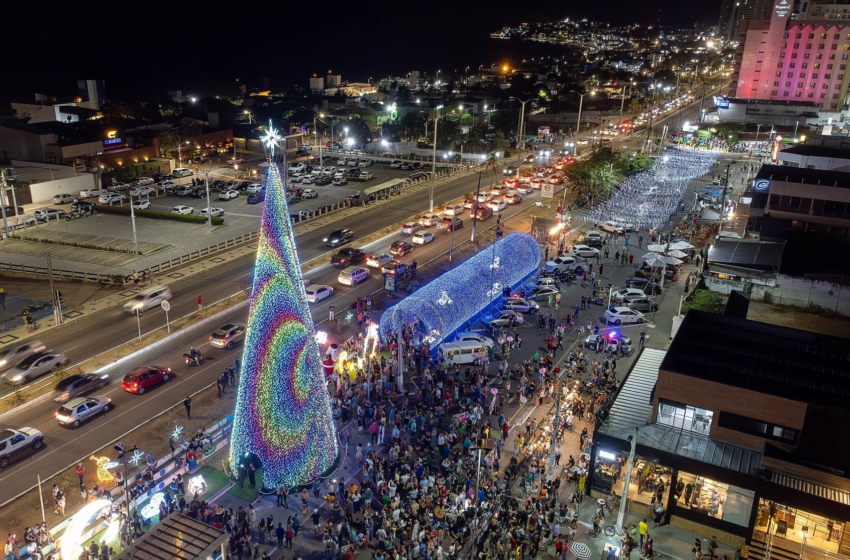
165, 306
390, 283
547, 190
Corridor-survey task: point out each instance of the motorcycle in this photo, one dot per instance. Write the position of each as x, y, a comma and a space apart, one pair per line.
194, 361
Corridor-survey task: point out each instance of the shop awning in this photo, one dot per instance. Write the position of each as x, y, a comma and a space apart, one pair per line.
699, 447
384, 186
834, 494
633, 406
740, 272
177, 536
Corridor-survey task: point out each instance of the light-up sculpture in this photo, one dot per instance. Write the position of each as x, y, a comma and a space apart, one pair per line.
283, 412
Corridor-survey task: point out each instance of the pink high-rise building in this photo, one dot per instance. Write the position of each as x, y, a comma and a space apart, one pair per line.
784, 59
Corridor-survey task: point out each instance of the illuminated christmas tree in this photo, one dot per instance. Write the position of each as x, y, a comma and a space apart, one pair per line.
283, 412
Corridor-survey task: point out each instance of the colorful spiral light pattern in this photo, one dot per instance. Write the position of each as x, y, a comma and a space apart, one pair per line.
283, 412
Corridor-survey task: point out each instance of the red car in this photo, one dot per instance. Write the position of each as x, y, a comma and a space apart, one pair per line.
143, 378
556, 180
511, 183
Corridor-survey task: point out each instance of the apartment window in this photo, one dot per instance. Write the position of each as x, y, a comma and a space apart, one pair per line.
814, 76
841, 76
821, 46
804, 65
811, 35
792, 65
800, 84
847, 36
807, 56
802, 74
798, 94
790, 75
800, 36
780, 65
845, 56
817, 66
837, 36
834, 47
824, 86
755, 427
823, 96
774, 93
786, 35
787, 84
808, 46
835, 96
796, 45
827, 76
810, 95
812, 85
829, 66
794, 55
831, 57
784, 94
823, 36
775, 84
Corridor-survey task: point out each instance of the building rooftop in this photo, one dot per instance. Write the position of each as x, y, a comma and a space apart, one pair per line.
816, 151
826, 178
789, 363
756, 255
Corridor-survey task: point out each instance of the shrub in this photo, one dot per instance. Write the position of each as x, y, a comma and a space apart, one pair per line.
705, 300
157, 215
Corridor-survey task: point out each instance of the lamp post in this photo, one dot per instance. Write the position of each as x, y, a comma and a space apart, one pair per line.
519, 135
580, 105
207, 185
622, 103
475, 207
434, 163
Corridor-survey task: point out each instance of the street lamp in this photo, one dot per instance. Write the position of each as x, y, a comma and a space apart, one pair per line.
434, 160
519, 137
580, 105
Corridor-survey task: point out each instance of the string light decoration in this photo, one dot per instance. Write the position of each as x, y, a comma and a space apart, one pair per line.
136, 458
103, 475
176, 433
283, 412
447, 303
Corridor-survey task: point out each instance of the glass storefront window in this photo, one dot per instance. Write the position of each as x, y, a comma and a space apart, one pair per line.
806, 529
684, 417
648, 484
608, 471
715, 499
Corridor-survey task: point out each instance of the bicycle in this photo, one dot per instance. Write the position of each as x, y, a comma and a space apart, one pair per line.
614, 530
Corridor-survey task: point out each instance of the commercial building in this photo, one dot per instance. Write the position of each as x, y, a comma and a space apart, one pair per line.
737, 432
783, 59
824, 9
815, 157
801, 199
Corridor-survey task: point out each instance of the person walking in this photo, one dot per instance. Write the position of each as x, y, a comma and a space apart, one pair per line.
332, 312
200, 303
642, 338
187, 402
80, 470
279, 533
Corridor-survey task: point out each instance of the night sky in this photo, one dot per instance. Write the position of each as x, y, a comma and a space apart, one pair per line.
193, 47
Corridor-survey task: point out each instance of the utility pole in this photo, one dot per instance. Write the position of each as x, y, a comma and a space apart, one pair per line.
209, 208
57, 305
3, 206
622, 103
475, 206
621, 513
556, 427
400, 378
133, 225
520, 139
723, 200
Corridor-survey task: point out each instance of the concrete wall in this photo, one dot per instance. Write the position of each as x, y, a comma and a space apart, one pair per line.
23, 144
793, 291
44, 192
35, 172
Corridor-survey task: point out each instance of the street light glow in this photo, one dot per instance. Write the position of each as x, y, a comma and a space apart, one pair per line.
349, 141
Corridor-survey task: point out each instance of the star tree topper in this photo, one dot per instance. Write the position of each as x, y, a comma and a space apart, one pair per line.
272, 139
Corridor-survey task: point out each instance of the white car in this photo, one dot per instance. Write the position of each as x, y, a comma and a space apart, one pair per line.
623, 316
429, 220
330, 170
377, 261
296, 167
63, 198
91, 193
523, 188
144, 181
585, 252
410, 228
340, 173
228, 195
109, 198
309, 193
475, 337
366, 175
141, 191
307, 179
76, 411
484, 197
453, 210
395, 164
11, 355
214, 211
497, 205
318, 292
342, 161
254, 188
141, 204
339, 181
235, 160
119, 187
422, 237
15, 442
182, 210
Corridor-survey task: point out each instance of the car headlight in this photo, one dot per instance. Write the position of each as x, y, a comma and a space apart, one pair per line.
2, 362
325, 239
138, 306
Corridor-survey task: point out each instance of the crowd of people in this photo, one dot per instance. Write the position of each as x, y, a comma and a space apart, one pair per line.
647, 200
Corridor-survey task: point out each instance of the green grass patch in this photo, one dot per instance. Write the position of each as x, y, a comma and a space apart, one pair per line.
157, 215
215, 479
223, 226
246, 492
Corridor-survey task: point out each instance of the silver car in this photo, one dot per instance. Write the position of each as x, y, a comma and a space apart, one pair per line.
11, 355
76, 411
34, 366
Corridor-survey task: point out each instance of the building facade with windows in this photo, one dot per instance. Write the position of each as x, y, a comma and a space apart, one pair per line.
736, 431
784, 59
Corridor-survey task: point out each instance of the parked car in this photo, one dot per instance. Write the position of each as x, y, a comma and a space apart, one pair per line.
182, 210
147, 299
84, 207
561, 264
365, 175
520, 305
623, 316
15, 443
612, 340
257, 198
214, 212
585, 252
145, 181
475, 337
364, 162
643, 304
182, 172
140, 379
504, 318
353, 275
44, 214
109, 198
226, 336
11, 355
339, 181
79, 410
92, 193
318, 292
310, 193
395, 164
422, 237
296, 167
377, 261
617, 297
141, 191
394, 267
348, 256
543, 293
254, 188
235, 161
354, 173
79, 385
63, 198
338, 237
323, 180
141, 204
119, 187
400, 248
36, 365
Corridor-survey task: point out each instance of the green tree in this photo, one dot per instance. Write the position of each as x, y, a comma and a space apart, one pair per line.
705, 300
167, 140
728, 132
634, 106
